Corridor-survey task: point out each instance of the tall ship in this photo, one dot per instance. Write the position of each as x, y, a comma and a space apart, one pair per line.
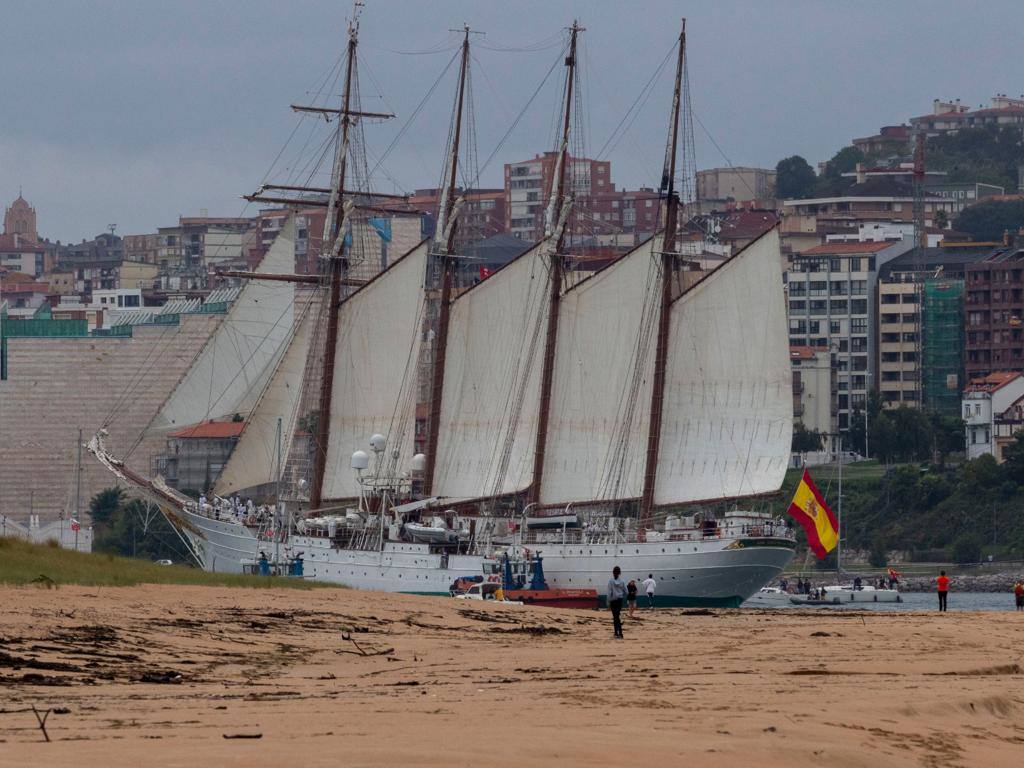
633, 415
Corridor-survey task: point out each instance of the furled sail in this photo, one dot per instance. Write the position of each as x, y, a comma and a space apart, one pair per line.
492, 377
255, 460
231, 372
375, 376
728, 408
601, 392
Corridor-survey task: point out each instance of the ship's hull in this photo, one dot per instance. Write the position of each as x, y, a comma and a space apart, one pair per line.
709, 573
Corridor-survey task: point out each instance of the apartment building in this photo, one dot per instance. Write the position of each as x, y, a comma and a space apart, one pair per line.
736, 183
528, 187
832, 298
814, 388
921, 325
995, 313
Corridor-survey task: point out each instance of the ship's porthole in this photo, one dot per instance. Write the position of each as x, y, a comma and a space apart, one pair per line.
663, 550
638, 551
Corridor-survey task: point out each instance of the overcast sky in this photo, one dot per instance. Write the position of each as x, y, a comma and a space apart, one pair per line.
134, 112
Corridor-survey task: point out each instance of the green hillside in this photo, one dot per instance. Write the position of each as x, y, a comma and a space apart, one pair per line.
24, 563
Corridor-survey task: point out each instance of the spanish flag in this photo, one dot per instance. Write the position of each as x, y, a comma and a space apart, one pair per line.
811, 511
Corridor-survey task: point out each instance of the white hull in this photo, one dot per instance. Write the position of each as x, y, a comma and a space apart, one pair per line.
712, 572
845, 595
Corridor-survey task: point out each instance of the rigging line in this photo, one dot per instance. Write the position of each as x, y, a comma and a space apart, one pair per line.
721, 151
132, 382
519, 118
551, 41
452, 41
647, 88
419, 107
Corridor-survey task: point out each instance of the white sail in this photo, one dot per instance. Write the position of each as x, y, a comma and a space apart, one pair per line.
728, 408
601, 391
493, 366
375, 376
254, 461
232, 370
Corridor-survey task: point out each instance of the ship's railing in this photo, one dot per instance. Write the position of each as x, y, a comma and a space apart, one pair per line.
591, 536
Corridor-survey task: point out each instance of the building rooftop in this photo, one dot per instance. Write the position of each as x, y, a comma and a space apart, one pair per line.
930, 259
849, 249
498, 249
802, 353
211, 430
992, 382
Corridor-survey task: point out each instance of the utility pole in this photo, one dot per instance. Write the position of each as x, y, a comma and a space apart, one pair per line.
920, 244
78, 477
277, 502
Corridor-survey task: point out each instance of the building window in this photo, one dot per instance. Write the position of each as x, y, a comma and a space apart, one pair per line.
977, 409
835, 265
859, 325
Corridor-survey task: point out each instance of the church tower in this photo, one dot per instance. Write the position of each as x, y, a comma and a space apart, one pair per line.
20, 220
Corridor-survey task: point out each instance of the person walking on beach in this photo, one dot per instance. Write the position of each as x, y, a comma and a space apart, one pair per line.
1018, 594
631, 597
942, 587
649, 586
616, 594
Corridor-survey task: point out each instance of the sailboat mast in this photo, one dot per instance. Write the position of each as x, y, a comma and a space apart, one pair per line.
667, 268
447, 266
336, 267
553, 226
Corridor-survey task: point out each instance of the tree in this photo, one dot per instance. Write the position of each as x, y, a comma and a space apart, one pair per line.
132, 528
878, 557
988, 220
843, 161
941, 219
805, 439
1013, 459
103, 507
794, 178
967, 549
854, 440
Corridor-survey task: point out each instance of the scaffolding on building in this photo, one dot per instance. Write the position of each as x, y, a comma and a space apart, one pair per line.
943, 343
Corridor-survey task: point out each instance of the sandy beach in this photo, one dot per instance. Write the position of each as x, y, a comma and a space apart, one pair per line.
172, 676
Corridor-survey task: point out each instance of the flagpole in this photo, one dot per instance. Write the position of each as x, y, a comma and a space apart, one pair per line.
839, 538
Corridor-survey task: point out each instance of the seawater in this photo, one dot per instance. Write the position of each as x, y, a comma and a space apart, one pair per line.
927, 601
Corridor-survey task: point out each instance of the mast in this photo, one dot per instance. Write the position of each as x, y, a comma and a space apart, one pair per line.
447, 225
335, 219
554, 227
668, 263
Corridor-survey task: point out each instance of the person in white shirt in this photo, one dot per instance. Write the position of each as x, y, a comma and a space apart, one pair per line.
649, 586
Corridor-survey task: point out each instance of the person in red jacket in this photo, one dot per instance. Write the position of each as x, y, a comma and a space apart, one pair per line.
942, 586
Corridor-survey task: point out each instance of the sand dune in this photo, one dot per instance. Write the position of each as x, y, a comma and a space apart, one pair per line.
180, 676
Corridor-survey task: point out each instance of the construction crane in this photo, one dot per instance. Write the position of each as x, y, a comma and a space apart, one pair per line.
920, 244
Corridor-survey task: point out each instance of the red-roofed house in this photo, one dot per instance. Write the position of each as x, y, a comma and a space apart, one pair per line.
197, 454
993, 410
951, 116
